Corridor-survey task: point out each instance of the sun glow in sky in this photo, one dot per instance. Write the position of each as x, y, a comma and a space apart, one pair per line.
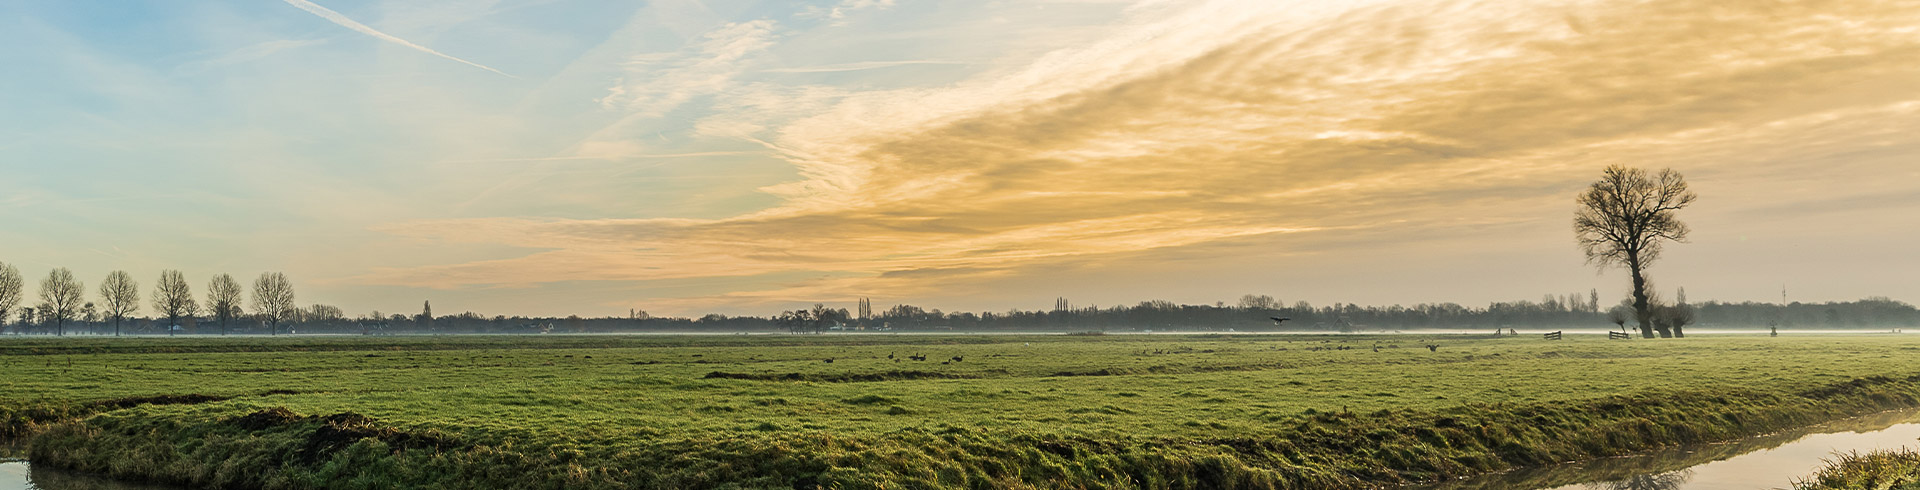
685, 156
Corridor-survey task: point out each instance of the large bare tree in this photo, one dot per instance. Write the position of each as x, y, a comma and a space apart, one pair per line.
60, 298
121, 296
174, 298
12, 287
273, 300
223, 299
1625, 219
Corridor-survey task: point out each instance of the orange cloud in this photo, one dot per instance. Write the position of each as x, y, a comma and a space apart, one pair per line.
1235, 122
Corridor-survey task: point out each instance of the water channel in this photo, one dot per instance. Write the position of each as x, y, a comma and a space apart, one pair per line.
18, 475
1773, 461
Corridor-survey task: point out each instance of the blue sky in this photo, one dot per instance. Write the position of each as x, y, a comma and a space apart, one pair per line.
566, 156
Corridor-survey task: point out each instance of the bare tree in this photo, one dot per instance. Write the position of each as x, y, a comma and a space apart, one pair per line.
60, 298
12, 286
121, 296
425, 319
273, 300
1619, 316
1657, 311
825, 318
1625, 218
325, 314
796, 321
1259, 302
173, 298
223, 299
1678, 316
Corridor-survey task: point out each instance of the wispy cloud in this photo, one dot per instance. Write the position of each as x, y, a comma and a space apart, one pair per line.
624, 156
250, 53
840, 11
864, 65
343, 21
1234, 123
656, 83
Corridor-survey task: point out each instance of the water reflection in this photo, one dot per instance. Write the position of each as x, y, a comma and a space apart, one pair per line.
1763, 462
18, 475
1663, 481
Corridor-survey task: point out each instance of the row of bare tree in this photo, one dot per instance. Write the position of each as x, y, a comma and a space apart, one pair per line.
62, 298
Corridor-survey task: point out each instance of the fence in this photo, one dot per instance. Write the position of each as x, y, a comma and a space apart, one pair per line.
1551, 335
1619, 336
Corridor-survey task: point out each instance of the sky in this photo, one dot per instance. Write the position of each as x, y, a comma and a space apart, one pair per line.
554, 157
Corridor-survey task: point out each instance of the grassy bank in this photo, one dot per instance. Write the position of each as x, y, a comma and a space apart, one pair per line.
1889, 470
1012, 412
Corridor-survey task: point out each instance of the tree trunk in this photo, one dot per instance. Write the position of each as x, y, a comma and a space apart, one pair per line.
1678, 333
116, 326
1640, 296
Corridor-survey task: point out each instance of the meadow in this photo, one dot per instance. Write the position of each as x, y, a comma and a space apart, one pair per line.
1122, 411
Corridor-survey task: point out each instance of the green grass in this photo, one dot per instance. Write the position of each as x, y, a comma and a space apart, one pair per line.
1887, 470
1082, 411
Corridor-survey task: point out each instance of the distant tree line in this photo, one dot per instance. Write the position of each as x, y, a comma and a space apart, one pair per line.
1872, 312
1254, 313
1250, 314
268, 308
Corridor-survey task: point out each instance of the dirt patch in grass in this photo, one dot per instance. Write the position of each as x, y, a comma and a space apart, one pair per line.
868, 400
343, 429
134, 401
265, 419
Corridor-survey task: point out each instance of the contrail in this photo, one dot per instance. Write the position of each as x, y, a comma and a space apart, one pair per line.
651, 155
330, 15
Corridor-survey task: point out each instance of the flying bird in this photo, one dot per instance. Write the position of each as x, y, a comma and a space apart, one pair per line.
1280, 321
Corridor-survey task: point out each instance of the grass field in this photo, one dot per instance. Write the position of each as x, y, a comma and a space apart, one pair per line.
1009, 412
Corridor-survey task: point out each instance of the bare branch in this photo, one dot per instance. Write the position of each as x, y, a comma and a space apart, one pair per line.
173, 298
120, 295
273, 298
60, 297
1626, 218
12, 287
223, 299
